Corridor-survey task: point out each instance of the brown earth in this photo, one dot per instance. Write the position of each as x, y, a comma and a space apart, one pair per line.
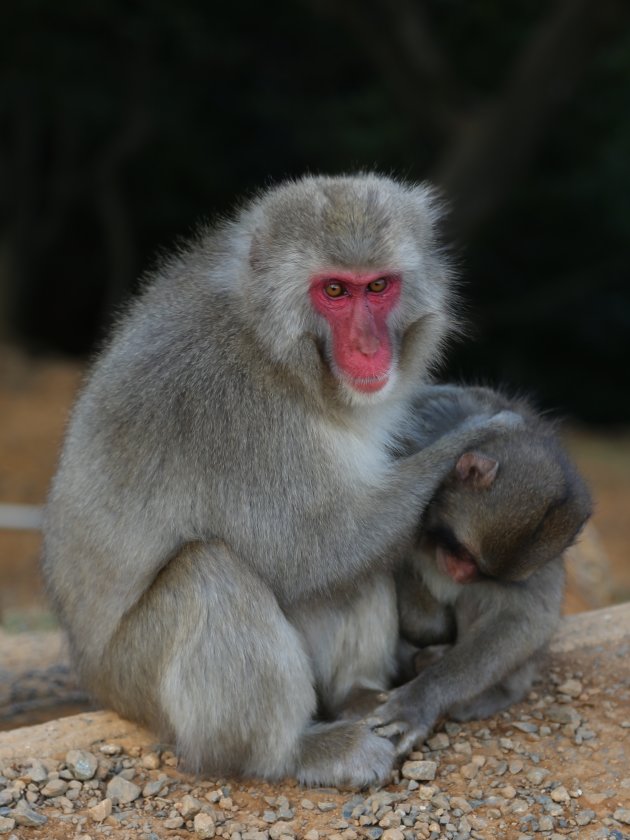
553, 766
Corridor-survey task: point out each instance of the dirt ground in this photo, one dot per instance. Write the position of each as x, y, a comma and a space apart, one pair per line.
35, 400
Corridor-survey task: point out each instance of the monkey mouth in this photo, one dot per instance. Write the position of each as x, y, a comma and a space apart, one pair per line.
367, 384
459, 565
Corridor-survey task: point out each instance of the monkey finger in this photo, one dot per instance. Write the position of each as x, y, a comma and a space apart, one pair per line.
410, 739
392, 730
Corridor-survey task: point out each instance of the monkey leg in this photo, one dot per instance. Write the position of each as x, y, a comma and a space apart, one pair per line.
209, 659
351, 638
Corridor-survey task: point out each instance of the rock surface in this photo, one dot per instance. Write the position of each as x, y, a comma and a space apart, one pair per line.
557, 765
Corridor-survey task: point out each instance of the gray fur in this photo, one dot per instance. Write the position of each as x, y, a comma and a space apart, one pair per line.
517, 528
217, 478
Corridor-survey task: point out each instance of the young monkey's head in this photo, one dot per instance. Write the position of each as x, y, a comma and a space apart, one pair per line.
507, 509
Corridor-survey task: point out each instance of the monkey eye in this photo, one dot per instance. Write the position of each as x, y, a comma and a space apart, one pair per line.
333, 290
378, 286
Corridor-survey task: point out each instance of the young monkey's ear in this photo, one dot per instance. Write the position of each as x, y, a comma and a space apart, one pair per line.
477, 469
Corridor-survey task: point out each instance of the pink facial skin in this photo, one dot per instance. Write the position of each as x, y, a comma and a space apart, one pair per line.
461, 567
358, 319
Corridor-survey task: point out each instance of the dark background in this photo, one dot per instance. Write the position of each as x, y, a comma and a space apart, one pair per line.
121, 124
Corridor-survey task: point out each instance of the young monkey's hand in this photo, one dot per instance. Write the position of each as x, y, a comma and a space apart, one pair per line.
403, 718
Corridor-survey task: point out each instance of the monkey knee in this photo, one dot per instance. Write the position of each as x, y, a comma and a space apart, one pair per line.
237, 691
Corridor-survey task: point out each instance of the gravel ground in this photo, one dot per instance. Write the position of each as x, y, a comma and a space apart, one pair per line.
557, 765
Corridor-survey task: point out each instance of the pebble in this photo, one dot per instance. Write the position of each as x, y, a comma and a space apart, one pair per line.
188, 807
393, 834
537, 775
622, 815
326, 806
173, 822
23, 815
110, 749
37, 771
419, 771
440, 741
82, 764
55, 787
151, 761
204, 826
572, 688
101, 811
313, 834
584, 817
560, 794
508, 792
154, 788
6, 824
525, 726
121, 791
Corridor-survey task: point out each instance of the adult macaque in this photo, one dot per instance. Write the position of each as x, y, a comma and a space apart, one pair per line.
229, 462
487, 574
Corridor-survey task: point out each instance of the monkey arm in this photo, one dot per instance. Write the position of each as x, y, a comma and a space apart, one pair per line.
500, 628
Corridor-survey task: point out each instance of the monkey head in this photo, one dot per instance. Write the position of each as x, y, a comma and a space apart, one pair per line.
349, 270
506, 511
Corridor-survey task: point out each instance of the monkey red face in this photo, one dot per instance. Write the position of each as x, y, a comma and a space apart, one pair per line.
357, 308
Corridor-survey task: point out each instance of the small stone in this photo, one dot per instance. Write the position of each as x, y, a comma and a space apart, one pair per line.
469, 771
515, 767
204, 826
6, 824
82, 764
23, 815
419, 771
461, 803
508, 792
622, 815
537, 775
326, 806
188, 807
393, 834
564, 714
151, 761
313, 834
463, 748
560, 794
121, 791
306, 803
270, 816
281, 831
55, 787
525, 726
573, 688
545, 823
440, 741
110, 749
7, 796
37, 771
101, 811
173, 822
584, 817
154, 788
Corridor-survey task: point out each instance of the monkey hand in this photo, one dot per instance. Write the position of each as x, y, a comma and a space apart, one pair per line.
404, 718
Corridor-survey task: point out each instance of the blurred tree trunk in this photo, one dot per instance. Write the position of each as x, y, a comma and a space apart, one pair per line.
485, 144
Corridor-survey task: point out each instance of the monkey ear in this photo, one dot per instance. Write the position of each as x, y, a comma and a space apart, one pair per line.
477, 469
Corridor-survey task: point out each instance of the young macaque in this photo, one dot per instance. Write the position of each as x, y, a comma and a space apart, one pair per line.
486, 577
